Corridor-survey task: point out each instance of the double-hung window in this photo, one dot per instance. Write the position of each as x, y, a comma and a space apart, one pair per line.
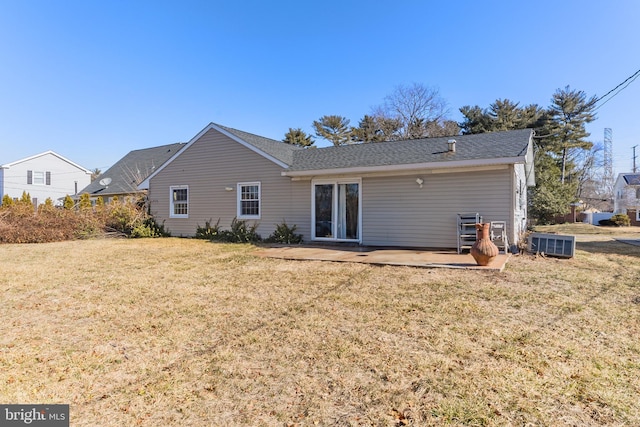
249, 199
179, 201
38, 177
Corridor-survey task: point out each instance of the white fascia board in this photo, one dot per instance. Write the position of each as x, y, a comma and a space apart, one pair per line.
407, 167
26, 159
144, 185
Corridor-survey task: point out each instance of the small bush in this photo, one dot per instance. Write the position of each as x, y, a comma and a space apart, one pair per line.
7, 201
621, 220
126, 215
25, 199
285, 234
85, 202
149, 228
617, 220
88, 226
208, 232
68, 202
240, 232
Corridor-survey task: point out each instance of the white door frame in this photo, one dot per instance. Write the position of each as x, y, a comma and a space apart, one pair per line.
335, 208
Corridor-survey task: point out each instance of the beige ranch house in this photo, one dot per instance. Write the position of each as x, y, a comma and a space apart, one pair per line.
401, 193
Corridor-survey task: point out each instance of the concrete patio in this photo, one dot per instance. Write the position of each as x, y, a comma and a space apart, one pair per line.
382, 256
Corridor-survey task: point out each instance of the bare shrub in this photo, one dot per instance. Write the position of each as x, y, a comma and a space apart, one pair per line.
20, 223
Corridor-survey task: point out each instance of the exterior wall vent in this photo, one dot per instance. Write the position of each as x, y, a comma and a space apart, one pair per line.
452, 145
552, 244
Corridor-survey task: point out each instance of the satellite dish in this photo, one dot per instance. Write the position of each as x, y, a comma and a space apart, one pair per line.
105, 181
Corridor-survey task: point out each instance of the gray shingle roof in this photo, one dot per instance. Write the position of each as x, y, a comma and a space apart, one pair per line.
132, 169
495, 145
278, 149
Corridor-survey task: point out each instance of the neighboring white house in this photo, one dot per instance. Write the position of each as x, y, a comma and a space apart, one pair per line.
627, 196
45, 175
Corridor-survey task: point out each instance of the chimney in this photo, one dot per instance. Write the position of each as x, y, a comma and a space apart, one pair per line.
452, 145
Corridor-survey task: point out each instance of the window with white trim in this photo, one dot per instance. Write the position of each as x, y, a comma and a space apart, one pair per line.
38, 177
179, 201
249, 200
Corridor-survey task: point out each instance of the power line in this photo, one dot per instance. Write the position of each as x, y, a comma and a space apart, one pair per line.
622, 86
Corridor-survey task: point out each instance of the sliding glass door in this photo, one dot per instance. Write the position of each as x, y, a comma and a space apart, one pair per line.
336, 210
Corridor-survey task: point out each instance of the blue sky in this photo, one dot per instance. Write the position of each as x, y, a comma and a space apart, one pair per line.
93, 80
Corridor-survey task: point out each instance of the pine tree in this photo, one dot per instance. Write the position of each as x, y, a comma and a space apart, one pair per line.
334, 129
298, 137
570, 111
68, 202
550, 197
368, 130
7, 201
25, 199
85, 202
501, 115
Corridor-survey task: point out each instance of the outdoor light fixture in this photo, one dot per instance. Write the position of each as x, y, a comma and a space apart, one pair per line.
420, 181
228, 188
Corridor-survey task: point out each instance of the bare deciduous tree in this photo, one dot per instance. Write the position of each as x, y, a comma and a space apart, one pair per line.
137, 173
590, 176
416, 107
95, 173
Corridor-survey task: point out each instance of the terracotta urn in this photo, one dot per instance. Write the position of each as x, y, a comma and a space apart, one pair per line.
483, 250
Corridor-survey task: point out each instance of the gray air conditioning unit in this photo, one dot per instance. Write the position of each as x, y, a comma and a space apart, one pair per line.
552, 244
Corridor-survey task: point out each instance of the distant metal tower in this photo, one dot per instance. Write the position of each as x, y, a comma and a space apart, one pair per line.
607, 177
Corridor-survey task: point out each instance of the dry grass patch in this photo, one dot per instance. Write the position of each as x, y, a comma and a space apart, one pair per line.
583, 228
187, 332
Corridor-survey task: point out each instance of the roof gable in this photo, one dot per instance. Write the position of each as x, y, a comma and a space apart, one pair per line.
276, 151
49, 152
132, 169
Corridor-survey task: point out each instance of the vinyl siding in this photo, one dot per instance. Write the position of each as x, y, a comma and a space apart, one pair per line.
624, 195
64, 178
397, 212
209, 166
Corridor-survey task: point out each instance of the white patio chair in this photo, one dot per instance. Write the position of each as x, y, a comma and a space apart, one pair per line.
498, 235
